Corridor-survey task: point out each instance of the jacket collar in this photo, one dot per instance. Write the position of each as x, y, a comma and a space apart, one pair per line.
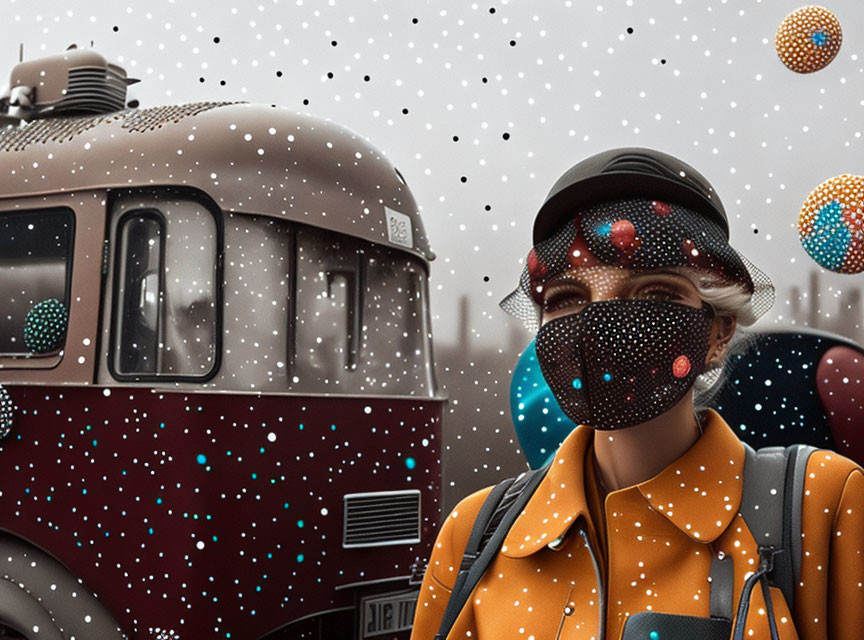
699, 493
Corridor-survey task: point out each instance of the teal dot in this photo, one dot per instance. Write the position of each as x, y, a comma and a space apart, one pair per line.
607, 377
95, 442
300, 523
299, 557
577, 383
653, 635
819, 38
410, 463
202, 459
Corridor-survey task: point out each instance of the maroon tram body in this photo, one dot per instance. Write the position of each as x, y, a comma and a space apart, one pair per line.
237, 433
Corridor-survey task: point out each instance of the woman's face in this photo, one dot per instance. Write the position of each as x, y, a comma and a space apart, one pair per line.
570, 291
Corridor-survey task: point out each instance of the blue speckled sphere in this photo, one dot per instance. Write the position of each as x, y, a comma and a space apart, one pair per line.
831, 224
540, 424
45, 326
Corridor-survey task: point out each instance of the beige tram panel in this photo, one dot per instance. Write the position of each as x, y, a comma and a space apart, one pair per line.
247, 157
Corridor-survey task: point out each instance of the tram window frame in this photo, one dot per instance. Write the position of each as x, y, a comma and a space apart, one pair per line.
215, 353
67, 288
362, 296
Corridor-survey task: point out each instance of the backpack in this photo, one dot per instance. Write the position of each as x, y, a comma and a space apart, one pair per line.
773, 488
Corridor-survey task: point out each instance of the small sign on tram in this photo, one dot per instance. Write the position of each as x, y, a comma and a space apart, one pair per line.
387, 613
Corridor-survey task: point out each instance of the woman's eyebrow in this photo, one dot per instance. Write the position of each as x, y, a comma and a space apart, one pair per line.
566, 278
660, 272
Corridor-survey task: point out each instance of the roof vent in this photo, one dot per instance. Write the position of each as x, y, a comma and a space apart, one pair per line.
76, 82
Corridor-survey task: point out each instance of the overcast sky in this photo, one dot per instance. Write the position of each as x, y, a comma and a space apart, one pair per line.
563, 80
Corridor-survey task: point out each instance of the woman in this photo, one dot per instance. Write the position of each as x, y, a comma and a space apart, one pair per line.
637, 294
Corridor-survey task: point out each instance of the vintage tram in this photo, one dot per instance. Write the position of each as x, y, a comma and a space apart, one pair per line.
216, 367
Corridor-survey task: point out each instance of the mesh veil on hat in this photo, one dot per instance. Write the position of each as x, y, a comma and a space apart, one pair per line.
636, 208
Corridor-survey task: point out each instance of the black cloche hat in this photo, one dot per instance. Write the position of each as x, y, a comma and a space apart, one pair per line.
623, 172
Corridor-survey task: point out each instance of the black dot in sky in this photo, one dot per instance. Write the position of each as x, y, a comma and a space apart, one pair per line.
485, 80
222, 82
116, 29
216, 39
405, 111
278, 74
414, 20
488, 207
506, 136
329, 74
629, 29
333, 43
464, 179
366, 78
662, 60
512, 43
455, 138
305, 100
491, 9
200, 79
755, 230
485, 278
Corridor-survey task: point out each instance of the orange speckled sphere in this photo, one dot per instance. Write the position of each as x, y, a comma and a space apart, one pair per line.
831, 224
808, 39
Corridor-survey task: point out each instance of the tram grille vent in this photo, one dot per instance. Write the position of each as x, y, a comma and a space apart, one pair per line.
381, 518
18, 138
153, 118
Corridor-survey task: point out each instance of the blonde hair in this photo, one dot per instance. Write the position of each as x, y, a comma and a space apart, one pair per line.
726, 299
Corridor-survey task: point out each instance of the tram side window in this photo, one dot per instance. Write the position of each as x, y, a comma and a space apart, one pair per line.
399, 355
165, 295
329, 305
35, 260
362, 323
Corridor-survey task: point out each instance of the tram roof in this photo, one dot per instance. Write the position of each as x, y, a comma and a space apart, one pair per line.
249, 158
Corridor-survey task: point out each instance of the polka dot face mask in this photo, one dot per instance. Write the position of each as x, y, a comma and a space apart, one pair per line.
618, 363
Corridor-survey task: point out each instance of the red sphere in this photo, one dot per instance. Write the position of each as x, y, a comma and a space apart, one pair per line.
661, 208
623, 234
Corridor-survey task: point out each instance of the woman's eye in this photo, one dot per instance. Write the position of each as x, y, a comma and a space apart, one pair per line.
659, 293
562, 301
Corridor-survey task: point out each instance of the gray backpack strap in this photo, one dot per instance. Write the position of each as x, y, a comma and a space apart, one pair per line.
773, 490
795, 493
498, 513
722, 583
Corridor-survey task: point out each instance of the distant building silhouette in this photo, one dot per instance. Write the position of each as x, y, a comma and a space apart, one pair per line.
806, 308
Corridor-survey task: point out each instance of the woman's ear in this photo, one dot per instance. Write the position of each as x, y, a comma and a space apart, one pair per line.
721, 333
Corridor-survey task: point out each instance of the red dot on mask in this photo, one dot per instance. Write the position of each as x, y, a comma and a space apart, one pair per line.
681, 366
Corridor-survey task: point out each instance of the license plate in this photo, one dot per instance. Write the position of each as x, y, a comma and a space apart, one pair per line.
387, 612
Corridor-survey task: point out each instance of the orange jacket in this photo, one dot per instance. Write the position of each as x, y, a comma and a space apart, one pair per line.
659, 557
